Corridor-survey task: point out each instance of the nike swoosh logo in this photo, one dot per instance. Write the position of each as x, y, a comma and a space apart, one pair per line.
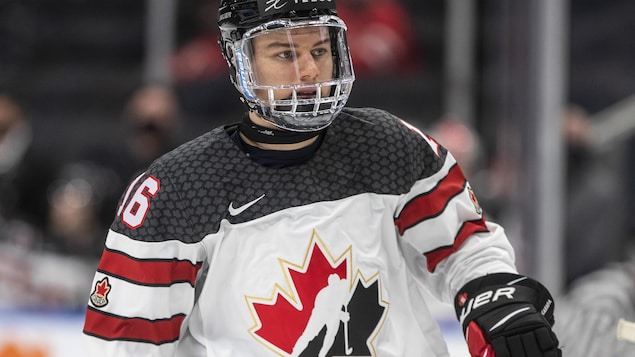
235, 211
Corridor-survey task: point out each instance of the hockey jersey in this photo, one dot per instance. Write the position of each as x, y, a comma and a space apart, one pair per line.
212, 254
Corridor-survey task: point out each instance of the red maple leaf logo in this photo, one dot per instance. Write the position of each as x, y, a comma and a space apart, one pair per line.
102, 288
99, 297
281, 319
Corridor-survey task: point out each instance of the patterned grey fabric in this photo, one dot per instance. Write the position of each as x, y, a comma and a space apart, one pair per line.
200, 179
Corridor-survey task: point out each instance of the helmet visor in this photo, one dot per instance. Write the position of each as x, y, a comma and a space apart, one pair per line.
299, 73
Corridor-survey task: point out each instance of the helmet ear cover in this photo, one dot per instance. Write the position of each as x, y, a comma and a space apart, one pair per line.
227, 51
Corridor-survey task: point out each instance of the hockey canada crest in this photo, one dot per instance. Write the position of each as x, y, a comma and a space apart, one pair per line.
99, 296
327, 309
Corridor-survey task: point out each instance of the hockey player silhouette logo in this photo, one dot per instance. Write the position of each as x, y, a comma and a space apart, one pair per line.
325, 311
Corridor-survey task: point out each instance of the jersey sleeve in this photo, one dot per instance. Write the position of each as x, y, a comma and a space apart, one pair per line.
144, 287
443, 229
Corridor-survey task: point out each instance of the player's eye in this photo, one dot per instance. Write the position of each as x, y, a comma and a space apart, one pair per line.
285, 55
319, 52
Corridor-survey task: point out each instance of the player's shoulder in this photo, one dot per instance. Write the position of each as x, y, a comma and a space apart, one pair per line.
377, 124
214, 147
385, 135
185, 190
372, 119
367, 117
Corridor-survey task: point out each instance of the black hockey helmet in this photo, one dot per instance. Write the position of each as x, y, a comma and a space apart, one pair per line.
241, 21
246, 14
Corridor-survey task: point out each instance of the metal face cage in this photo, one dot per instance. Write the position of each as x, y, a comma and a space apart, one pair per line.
296, 74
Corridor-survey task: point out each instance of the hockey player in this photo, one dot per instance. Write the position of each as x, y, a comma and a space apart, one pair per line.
243, 241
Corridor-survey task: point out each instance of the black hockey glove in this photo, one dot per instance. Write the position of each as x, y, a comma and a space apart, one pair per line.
507, 315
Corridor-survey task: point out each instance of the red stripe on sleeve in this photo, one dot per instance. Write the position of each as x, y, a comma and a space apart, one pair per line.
146, 271
432, 203
111, 327
467, 229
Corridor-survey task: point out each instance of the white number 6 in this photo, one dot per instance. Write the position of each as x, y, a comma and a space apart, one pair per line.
136, 210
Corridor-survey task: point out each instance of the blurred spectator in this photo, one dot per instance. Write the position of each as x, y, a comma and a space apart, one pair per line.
24, 172
199, 71
37, 279
90, 184
150, 127
81, 202
381, 37
151, 120
28, 276
464, 142
17, 241
595, 221
200, 58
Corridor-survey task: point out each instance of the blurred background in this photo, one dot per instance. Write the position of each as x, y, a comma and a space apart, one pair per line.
534, 98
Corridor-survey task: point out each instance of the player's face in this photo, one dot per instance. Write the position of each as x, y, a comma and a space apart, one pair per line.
293, 57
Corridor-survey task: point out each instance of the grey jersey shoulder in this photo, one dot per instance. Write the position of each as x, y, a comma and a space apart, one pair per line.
392, 143
364, 151
193, 181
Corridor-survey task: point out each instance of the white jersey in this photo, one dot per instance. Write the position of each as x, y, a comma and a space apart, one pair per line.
212, 254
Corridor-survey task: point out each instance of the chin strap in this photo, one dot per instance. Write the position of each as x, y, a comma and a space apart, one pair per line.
261, 134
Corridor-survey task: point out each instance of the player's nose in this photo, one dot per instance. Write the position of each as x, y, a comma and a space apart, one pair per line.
308, 68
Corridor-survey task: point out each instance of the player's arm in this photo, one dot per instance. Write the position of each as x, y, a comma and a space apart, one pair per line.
502, 313
441, 221
507, 315
144, 285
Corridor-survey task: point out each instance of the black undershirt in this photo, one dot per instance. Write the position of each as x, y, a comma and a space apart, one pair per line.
275, 158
